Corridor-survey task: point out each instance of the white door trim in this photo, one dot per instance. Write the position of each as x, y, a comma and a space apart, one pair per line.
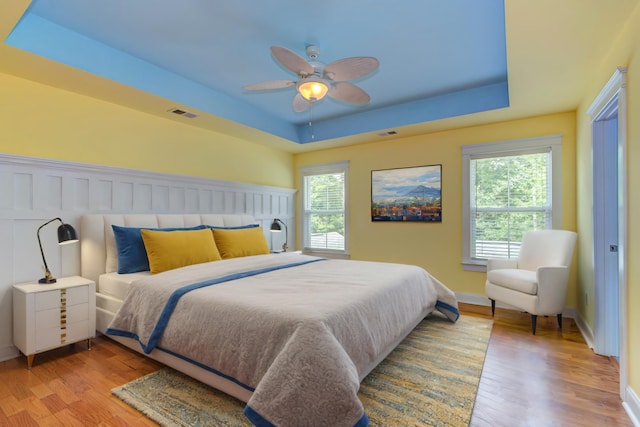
614, 91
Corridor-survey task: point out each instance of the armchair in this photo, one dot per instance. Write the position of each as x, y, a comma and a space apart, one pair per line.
537, 280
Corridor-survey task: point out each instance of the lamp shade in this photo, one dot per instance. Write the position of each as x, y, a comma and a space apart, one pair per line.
312, 88
275, 226
67, 234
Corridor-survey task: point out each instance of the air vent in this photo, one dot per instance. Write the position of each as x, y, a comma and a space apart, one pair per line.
183, 113
389, 133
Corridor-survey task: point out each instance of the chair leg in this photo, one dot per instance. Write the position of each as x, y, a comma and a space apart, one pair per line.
534, 319
560, 321
493, 307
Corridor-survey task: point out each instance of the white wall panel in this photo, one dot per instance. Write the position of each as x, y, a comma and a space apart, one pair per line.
23, 191
124, 201
6, 189
28, 260
268, 202
205, 199
217, 198
81, 191
283, 206
258, 206
161, 198
40, 192
36, 190
7, 351
142, 201
191, 200
240, 204
53, 192
104, 192
228, 202
248, 203
177, 199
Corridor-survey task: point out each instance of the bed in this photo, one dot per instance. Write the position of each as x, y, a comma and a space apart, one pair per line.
290, 334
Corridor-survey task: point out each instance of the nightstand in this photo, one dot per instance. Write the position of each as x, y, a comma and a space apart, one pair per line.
48, 316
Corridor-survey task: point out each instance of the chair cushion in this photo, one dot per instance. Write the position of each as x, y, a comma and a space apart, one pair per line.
519, 280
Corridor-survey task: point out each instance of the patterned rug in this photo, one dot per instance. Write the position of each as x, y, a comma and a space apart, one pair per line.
430, 379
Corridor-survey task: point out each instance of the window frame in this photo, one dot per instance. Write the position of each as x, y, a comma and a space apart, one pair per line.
323, 169
504, 148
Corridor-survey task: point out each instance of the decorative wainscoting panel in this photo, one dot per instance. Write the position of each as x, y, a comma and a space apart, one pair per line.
33, 191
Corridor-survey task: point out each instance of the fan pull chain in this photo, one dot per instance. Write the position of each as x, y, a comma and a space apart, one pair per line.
310, 124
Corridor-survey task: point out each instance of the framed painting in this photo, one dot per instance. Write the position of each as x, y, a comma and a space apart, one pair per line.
407, 194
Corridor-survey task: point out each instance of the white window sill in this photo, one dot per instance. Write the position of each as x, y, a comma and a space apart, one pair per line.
474, 265
327, 254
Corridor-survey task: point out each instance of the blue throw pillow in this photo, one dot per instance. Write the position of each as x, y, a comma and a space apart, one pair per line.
132, 255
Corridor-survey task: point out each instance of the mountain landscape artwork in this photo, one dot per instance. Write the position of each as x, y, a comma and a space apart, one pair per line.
407, 194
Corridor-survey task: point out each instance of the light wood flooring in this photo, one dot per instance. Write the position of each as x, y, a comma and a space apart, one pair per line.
551, 379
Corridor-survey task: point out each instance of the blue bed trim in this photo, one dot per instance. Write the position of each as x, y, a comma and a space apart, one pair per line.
256, 418
207, 368
170, 306
120, 333
443, 306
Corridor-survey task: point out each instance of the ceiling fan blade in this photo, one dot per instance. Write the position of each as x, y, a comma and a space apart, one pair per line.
351, 68
292, 61
274, 84
347, 92
300, 104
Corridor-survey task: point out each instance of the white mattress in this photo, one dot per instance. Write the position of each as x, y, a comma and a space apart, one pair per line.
117, 285
107, 303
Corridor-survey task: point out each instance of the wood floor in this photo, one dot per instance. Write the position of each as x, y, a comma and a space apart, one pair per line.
551, 379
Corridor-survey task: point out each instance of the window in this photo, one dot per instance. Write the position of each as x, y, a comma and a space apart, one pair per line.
324, 215
509, 188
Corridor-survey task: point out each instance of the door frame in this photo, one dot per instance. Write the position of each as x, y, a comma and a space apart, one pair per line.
612, 98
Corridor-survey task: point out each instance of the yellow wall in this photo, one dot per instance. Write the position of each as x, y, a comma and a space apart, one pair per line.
626, 52
42, 121
438, 247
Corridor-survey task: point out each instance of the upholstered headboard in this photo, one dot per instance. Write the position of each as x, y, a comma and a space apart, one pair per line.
98, 252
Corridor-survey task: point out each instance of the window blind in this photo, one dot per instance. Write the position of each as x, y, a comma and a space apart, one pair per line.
510, 195
324, 211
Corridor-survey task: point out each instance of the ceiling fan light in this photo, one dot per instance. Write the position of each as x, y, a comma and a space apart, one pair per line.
312, 89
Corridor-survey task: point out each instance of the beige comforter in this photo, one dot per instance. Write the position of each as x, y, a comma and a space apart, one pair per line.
300, 332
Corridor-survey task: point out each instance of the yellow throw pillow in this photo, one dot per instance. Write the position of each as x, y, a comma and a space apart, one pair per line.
167, 250
240, 242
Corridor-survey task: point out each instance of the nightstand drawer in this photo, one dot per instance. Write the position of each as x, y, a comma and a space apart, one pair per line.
58, 297
53, 337
57, 317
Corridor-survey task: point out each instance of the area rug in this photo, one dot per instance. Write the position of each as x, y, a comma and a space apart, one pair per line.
430, 379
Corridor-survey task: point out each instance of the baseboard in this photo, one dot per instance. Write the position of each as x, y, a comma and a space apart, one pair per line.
482, 300
631, 404
8, 353
585, 330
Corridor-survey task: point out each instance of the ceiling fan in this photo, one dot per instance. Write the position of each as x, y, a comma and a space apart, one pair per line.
317, 79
